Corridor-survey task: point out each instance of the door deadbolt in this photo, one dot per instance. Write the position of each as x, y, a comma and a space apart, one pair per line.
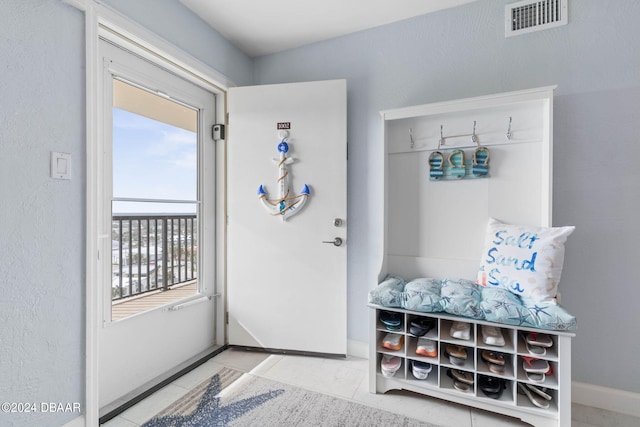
338, 222
336, 242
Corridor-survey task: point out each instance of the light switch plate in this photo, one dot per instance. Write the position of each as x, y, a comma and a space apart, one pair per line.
60, 165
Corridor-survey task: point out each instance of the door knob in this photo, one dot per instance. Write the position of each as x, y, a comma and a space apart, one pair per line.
336, 242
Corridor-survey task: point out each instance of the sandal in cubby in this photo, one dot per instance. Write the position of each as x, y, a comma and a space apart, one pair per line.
538, 339
462, 376
495, 361
426, 347
536, 349
492, 387
535, 377
534, 398
457, 354
536, 366
389, 365
494, 357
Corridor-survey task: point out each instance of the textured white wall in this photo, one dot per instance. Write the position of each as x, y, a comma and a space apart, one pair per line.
41, 219
462, 52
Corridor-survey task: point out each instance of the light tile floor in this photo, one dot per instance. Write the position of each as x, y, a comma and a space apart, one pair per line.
346, 379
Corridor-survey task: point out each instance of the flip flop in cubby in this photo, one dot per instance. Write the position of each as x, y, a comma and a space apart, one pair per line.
495, 361
536, 349
457, 354
534, 397
436, 165
538, 366
481, 161
538, 339
456, 161
492, 387
462, 381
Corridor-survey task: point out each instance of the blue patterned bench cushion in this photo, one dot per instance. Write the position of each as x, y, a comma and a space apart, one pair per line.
464, 298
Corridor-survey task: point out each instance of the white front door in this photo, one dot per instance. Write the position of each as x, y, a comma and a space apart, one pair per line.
286, 279
157, 229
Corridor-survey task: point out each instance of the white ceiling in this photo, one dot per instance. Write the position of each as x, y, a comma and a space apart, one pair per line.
260, 27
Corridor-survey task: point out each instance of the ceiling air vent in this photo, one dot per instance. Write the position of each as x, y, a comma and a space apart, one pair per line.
527, 16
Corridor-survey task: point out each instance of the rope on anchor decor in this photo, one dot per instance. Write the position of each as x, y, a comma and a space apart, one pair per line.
284, 206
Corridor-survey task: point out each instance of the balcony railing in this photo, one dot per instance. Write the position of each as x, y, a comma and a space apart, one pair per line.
152, 252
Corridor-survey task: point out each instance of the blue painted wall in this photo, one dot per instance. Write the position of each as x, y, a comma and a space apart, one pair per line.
42, 220
462, 52
42, 243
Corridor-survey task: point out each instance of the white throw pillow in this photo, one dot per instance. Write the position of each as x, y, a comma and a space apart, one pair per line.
526, 260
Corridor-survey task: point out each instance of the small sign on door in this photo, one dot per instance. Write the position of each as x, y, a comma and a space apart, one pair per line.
284, 125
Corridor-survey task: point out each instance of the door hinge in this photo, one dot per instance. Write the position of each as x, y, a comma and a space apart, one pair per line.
226, 318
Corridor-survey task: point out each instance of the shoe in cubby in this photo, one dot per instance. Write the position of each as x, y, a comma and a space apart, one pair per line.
391, 320
393, 341
492, 335
420, 326
420, 370
389, 365
491, 387
460, 330
426, 347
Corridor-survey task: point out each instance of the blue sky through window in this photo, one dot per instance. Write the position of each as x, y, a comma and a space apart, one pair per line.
153, 160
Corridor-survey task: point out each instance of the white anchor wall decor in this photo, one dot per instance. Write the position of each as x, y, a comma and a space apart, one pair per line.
284, 205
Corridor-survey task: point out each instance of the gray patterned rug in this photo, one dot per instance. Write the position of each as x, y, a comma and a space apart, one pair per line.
232, 399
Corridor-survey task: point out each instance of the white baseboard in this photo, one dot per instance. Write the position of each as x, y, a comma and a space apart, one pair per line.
358, 349
610, 399
76, 422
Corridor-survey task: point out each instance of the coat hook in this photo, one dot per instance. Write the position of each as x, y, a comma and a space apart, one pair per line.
474, 138
441, 141
509, 129
411, 144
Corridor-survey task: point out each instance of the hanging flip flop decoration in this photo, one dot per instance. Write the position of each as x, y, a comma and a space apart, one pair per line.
436, 165
454, 166
285, 205
481, 161
456, 163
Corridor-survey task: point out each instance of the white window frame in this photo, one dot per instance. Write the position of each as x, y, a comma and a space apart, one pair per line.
101, 21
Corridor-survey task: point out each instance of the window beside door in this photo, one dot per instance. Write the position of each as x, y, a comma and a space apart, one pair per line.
154, 223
